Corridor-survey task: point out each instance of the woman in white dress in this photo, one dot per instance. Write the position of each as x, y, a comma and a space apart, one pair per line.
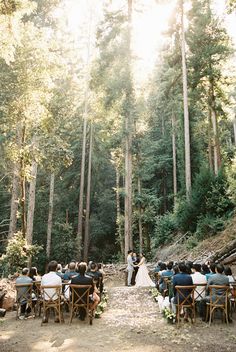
142, 278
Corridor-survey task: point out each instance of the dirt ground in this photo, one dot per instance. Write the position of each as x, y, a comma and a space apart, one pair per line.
131, 321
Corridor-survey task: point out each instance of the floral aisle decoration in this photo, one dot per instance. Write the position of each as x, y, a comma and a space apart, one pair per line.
169, 315
102, 305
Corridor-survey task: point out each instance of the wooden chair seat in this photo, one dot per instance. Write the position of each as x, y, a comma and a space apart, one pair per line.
218, 301
24, 296
185, 300
80, 299
51, 297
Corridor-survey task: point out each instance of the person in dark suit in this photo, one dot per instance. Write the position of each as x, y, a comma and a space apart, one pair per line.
181, 279
82, 279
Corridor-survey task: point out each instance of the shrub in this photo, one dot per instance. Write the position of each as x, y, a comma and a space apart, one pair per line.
208, 226
17, 254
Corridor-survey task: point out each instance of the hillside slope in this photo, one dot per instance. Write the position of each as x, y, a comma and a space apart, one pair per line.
221, 247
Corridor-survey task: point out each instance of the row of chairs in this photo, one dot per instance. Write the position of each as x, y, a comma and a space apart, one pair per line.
37, 297
187, 299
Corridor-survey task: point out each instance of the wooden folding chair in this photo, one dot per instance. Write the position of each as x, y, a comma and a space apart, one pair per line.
185, 300
166, 286
233, 297
23, 296
219, 299
39, 300
51, 297
80, 299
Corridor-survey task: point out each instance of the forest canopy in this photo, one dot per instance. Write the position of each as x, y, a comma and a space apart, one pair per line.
98, 157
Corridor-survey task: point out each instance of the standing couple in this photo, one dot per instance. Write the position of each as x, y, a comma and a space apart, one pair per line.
142, 278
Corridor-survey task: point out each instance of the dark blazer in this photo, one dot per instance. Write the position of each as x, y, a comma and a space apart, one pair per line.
181, 279
83, 280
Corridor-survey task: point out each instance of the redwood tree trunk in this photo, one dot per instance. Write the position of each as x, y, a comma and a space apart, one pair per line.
31, 204
50, 213
87, 217
140, 227
82, 170
186, 113
234, 125
174, 156
14, 200
128, 152
22, 183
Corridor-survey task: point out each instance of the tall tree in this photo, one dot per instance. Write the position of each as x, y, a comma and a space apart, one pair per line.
186, 113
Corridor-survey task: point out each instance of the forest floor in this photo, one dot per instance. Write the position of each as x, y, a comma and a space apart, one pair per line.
131, 321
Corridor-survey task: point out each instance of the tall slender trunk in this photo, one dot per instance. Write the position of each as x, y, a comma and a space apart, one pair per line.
22, 182
140, 227
164, 184
14, 200
67, 216
50, 213
186, 113
174, 156
234, 125
118, 212
216, 143
128, 150
87, 217
82, 169
31, 204
210, 139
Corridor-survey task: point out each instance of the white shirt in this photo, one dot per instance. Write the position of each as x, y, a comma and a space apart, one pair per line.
51, 279
199, 278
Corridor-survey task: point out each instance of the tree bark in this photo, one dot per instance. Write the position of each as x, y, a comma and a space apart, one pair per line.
22, 183
140, 227
186, 113
118, 212
14, 200
87, 216
31, 204
50, 214
174, 157
128, 152
210, 140
82, 170
234, 125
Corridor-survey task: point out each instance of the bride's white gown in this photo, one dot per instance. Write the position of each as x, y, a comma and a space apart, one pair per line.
142, 278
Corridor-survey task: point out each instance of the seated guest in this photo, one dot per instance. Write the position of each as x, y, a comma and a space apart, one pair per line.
71, 272
181, 279
51, 279
198, 278
95, 274
23, 279
216, 279
82, 279
165, 273
212, 271
205, 269
33, 274
189, 266
60, 271
228, 272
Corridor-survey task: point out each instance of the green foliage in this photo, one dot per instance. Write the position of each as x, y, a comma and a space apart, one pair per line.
17, 254
208, 225
63, 243
231, 175
165, 229
209, 196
